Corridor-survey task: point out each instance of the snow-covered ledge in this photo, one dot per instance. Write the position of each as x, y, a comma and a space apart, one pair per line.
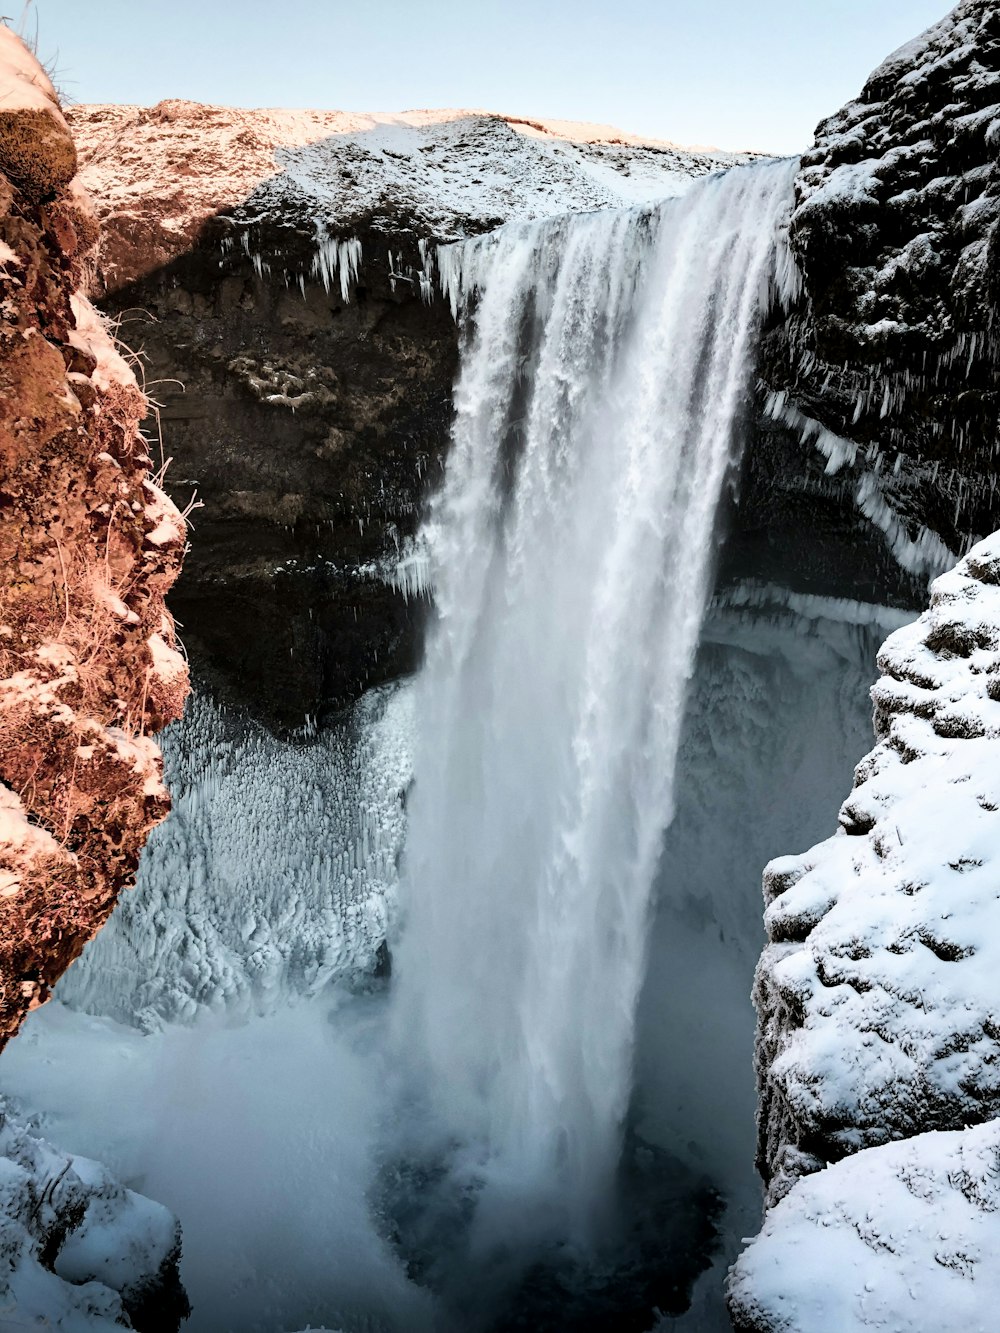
877, 998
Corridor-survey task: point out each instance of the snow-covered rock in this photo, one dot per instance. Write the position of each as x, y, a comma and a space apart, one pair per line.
896, 229
878, 1015
876, 994
158, 173
79, 1251
899, 1239
37, 152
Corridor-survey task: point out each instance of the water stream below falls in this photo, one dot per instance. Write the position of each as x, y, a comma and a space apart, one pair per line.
543, 1118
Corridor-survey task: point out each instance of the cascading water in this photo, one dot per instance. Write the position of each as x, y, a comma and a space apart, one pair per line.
604, 363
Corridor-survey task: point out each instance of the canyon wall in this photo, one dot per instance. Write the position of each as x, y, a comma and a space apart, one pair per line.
89, 669
886, 370
274, 269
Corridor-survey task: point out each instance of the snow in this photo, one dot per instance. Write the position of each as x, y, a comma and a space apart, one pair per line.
92, 337
877, 994
900, 1239
72, 1238
450, 172
167, 524
24, 85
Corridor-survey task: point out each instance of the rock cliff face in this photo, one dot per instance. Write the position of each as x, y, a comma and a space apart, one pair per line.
274, 269
876, 997
876, 993
888, 366
89, 544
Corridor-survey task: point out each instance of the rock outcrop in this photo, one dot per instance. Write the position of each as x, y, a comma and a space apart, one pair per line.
888, 367
89, 669
273, 269
877, 1006
77, 1249
89, 545
903, 1237
875, 994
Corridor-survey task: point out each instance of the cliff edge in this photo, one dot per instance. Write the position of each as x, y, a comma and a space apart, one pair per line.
89, 545
89, 669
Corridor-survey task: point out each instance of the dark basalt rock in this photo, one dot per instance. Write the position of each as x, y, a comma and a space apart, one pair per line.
310, 429
894, 342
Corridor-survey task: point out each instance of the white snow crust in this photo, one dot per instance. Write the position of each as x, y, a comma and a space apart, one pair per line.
24, 85
899, 1239
451, 172
72, 1238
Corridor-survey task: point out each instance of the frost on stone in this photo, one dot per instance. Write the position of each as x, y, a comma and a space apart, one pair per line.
879, 1014
893, 347
79, 1251
441, 174
274, 875
902, 1238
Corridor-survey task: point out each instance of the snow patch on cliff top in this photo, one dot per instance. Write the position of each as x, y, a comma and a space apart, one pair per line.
451, 172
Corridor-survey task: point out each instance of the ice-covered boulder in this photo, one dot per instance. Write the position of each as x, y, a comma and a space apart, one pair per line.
79, 1251
902, 1238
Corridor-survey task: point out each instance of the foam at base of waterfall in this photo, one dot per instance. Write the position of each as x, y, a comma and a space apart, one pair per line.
275, 873
604, 366
261, 1133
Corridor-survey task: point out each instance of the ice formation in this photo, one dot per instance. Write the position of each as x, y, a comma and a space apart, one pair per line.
923, 554
571, 547
337, 262
274, 875
777, 703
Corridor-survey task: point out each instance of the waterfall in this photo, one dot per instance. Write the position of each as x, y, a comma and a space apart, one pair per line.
605, 359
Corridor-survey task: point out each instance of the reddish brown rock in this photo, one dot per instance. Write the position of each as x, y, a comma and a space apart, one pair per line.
89, 546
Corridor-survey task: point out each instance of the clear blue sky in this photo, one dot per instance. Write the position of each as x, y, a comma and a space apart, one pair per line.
735, 73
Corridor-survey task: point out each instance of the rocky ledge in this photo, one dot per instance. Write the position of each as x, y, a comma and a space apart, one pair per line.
89, 669
888, 367
89, 545
876, 994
